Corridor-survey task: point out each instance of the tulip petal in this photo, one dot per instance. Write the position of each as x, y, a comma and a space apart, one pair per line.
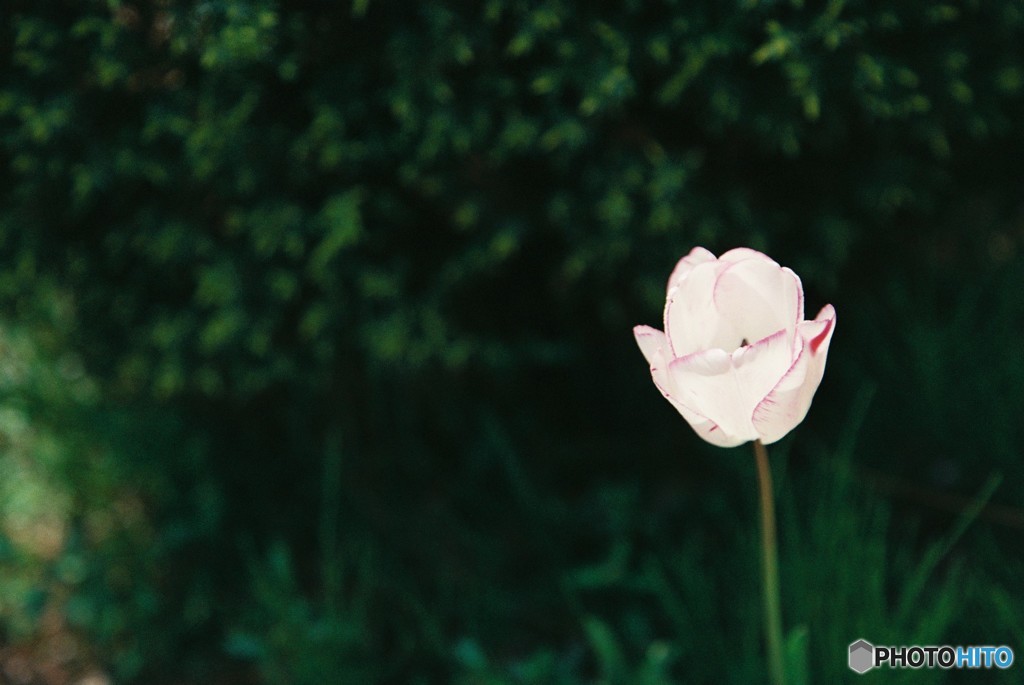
698, 255
712, 432
651, 342
692, 321
760, 367
760, 296
707, 384
654, 346
788, 402
740, 253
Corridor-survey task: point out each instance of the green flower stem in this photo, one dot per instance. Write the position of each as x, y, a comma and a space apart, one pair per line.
770, 559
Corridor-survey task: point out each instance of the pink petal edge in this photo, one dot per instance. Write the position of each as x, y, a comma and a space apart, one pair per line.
737, 254
827, 315
697, 255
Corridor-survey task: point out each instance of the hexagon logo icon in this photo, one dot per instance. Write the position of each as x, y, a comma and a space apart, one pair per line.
862, 656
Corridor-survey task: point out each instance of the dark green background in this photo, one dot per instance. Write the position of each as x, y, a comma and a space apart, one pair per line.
316, 360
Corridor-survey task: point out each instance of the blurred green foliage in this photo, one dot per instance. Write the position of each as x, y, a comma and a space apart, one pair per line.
317, 333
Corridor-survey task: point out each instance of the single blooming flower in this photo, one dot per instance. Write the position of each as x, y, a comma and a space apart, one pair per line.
736, 358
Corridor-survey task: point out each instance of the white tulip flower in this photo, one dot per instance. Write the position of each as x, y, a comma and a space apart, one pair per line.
736, 358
